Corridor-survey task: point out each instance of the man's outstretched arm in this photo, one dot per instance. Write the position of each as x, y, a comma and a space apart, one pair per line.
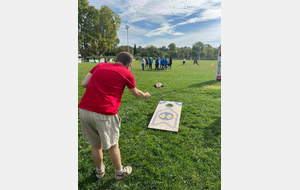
139, 94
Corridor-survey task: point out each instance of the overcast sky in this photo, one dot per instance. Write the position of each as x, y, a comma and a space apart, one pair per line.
160, 23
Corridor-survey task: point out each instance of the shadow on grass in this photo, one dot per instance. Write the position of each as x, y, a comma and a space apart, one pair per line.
203, 84
161, 132
92, 180
212, 133
87, 181
108, 184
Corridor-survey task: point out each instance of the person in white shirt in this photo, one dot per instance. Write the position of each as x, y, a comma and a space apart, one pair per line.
143, 63
183, 62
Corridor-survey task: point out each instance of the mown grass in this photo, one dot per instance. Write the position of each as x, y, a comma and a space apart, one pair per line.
189, 159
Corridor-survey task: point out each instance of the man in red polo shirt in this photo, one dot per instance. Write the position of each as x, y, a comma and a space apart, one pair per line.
99, 118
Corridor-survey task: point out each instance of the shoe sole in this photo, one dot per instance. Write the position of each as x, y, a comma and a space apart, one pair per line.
121, 177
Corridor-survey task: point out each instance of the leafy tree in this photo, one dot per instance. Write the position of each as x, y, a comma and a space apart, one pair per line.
97, 29
145, 54
151, 50
160, 53
87, 17
82, 11
173, 54
163, 48
209, 51
172, 47
188, 52
109, 24
199, 47
195, 54
122, 48
139, 50
134, 50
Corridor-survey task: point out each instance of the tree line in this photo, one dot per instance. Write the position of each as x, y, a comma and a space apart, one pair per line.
198, 51
97, 37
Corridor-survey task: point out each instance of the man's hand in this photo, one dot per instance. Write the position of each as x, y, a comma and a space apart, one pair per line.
147, 95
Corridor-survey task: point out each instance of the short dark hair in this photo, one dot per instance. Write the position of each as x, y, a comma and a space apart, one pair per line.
125, 58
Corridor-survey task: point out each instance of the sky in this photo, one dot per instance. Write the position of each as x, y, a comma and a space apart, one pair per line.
161, 22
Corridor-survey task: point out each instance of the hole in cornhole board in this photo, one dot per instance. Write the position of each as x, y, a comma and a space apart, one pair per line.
166, 116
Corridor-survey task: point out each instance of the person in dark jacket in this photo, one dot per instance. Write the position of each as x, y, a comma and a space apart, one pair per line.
146, 62
195, 62
170, 63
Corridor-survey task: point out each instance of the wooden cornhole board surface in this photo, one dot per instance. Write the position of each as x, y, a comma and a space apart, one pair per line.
165, 117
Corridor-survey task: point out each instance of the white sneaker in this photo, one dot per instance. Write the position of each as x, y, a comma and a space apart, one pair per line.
101, 174
126, 171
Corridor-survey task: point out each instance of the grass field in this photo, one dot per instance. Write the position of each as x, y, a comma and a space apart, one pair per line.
189, 159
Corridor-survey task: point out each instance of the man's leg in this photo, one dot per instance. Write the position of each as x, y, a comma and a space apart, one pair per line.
97, 155
115, 156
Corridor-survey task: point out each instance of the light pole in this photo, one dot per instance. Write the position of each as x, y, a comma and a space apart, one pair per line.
127, 27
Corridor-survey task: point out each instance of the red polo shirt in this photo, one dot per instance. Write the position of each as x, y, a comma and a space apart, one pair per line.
104, 91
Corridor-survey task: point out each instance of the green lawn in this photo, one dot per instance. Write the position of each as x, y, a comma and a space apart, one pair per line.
189, 159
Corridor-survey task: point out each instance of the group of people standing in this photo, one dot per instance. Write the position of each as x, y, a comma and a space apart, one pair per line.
160, 64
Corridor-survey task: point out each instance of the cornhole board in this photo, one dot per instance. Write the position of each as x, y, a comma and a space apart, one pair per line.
166, 116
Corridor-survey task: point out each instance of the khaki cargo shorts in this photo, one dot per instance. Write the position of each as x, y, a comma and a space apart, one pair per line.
97, 128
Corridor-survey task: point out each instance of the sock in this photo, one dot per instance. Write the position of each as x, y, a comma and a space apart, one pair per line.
119, 172
100, 170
